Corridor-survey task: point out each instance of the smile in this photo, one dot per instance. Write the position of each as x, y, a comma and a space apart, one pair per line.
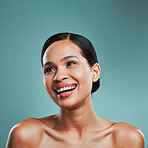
65, 88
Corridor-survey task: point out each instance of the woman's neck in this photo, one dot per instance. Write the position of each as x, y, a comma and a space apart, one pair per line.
79, 119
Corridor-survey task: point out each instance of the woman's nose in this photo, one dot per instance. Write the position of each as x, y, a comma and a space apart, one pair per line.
60, 75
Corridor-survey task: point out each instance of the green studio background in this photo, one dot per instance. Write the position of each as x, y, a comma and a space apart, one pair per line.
117, 28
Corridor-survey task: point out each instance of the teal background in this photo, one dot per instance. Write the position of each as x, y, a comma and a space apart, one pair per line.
118, 30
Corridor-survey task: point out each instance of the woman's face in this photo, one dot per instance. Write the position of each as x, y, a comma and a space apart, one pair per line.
67, 74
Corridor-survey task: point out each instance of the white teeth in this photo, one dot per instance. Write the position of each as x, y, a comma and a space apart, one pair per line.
65, 88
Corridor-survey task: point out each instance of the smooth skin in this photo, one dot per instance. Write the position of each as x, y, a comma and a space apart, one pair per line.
76, 124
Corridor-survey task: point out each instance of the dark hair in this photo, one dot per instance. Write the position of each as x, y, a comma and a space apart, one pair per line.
83, 43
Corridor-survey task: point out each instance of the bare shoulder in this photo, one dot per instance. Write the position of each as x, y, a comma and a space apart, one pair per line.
27, 133
128, 136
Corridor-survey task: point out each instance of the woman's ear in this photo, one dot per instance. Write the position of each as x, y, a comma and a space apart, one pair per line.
96, 72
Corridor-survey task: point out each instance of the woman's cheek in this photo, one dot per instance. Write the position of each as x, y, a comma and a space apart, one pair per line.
47, 83
49, 89
44, 81
83, 73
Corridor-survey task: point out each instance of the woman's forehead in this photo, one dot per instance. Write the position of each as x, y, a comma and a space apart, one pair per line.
62, 48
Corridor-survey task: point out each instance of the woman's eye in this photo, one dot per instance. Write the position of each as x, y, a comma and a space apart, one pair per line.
49, 69
70, 63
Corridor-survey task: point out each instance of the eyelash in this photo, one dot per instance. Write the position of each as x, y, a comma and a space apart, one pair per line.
70, 63
49, 69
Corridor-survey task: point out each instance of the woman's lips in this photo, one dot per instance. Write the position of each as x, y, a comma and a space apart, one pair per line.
65, 90
66, 94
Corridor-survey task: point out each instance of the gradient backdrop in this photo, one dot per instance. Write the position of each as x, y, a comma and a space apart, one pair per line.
117, 28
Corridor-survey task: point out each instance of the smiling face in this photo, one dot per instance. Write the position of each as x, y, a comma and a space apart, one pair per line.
67, 75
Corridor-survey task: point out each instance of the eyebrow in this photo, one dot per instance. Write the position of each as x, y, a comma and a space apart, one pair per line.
47, 63
68, 57
63, 59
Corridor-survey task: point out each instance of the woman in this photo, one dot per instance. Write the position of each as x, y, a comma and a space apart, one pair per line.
71, 75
